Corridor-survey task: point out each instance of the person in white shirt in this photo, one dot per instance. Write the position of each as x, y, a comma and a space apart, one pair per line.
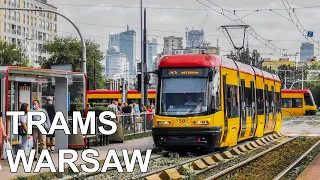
190, 102
23, 122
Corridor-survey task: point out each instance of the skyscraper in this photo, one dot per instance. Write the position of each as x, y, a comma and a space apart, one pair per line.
306, 51
154, 47
128, 47
116, 63
114, 40
149, 56
195, 38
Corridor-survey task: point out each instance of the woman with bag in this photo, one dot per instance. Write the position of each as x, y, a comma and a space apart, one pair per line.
23, 129
3, 135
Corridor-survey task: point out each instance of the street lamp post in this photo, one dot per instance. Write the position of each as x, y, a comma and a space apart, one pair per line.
84, 58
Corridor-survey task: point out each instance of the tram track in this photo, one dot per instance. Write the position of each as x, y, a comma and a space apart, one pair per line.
155, 156
200, 164
296, 162
242, 169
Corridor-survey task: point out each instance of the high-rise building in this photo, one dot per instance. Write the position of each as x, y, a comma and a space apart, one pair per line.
116, 63
154, 46
149, 56
114, 40
30, 30
195, 38
128, 47
306, 51
171, 43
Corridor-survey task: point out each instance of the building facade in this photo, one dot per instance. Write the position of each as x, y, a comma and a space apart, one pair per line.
204, 50
27, 29
171, 43
114, 41
306, 52
128, 46
195, 38
116, 64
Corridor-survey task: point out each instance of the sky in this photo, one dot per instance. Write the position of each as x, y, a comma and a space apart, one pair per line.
98, 18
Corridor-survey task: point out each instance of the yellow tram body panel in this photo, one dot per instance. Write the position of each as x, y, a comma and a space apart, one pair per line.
278, 107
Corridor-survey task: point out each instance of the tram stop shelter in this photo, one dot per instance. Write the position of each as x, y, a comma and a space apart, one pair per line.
24, 85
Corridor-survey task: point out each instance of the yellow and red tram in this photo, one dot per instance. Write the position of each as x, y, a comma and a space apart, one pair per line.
107, 96
297, 102
212, 102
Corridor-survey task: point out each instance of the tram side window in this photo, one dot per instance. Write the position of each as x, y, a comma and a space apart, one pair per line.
260, 104
292, 102
308, 100
270, 99
216, 93
248, 96
234, 101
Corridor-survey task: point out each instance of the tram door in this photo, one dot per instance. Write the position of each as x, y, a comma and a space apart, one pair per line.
266, 109
253, 113
243, 108
273, 108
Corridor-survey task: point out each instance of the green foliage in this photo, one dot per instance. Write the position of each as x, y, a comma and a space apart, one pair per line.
246, 57
292, 75
12, 55
21, 178
67, 50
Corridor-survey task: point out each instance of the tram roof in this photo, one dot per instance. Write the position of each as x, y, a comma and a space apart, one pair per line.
204, 60
187, 60
36, 71
295, 91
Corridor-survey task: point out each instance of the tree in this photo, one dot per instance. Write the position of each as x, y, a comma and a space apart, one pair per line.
11, 55
290, 75
67, 50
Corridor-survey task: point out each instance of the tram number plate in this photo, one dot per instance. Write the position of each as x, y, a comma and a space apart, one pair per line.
182, 121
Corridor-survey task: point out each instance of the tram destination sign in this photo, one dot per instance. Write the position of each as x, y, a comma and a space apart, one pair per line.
184, 72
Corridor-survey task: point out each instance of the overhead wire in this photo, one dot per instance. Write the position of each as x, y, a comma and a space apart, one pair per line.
251, 33
303, 31
175, 8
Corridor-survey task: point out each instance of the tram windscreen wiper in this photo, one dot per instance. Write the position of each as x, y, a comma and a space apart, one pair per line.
198, 103
195, 106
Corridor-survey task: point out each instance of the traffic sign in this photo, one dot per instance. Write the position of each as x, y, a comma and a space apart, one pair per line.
310, 33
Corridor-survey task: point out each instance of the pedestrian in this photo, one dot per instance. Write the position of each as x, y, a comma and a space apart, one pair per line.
49, 107
3, 135
149, 118
114, 108
119, 105
136, 109
127, 110
37, 136
23, 123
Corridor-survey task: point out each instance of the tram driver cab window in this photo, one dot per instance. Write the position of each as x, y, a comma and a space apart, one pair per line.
183, 96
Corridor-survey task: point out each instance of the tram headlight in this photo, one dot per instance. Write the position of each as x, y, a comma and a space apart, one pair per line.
164, 122
201, 122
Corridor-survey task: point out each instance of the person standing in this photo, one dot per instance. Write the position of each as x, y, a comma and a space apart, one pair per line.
23, 123
49, 107
3, 135
37, 136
